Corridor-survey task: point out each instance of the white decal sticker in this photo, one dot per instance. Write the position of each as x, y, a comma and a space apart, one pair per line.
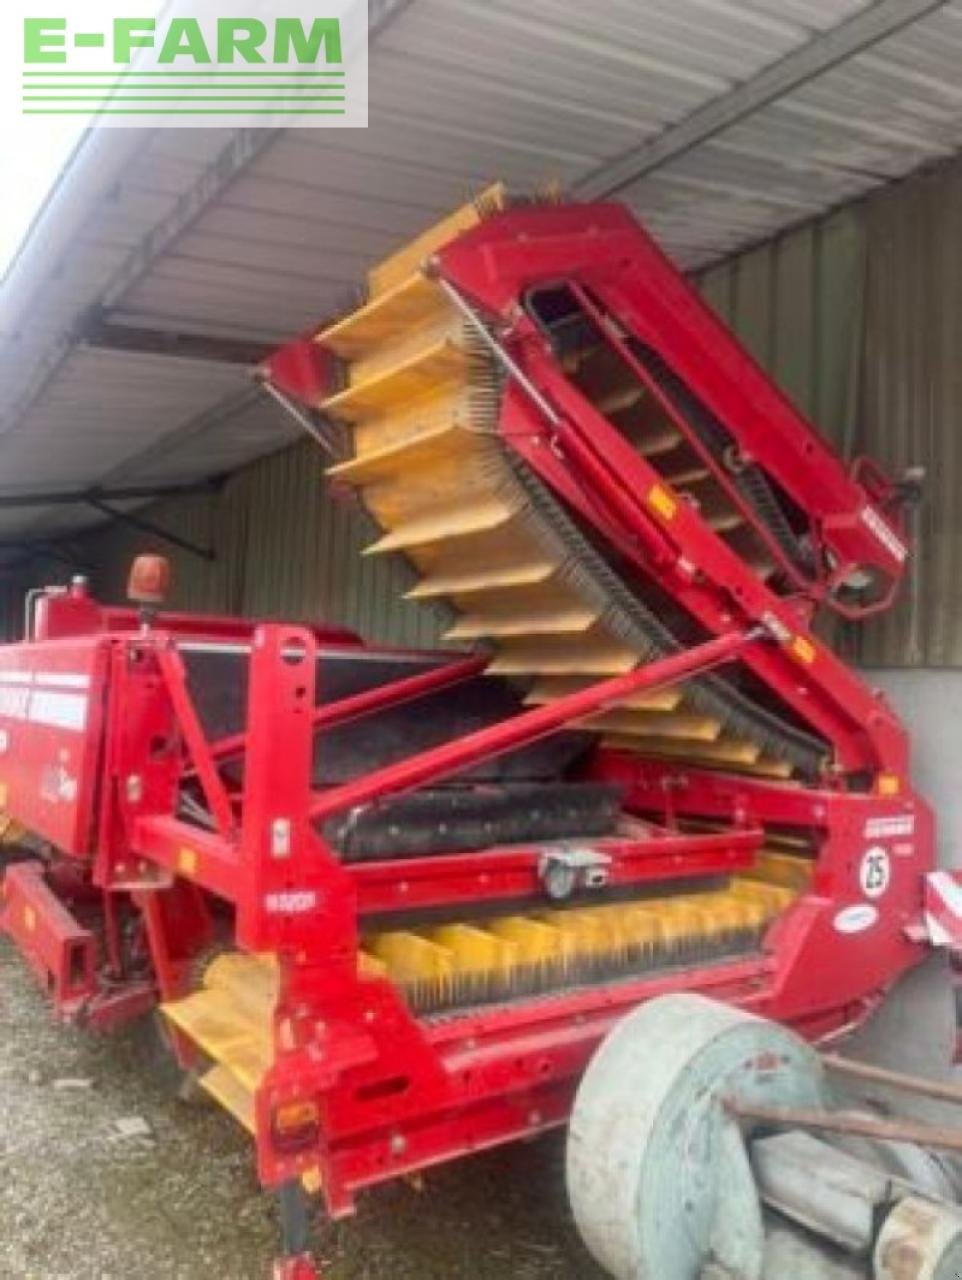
57, 785
889, 828
884, 533
59, 710
292, 903
281, 838
44, 706
67, 787
63, 679
856, 919
875, 873
14, 701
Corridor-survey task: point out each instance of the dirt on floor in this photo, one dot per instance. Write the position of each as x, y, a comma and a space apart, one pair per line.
85, 1196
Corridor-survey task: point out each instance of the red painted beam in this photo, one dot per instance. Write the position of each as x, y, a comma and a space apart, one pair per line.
59, 949
510, 874
203, 857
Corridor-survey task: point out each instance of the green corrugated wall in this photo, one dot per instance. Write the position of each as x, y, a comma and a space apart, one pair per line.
796, 303
860, 319
283, 547
911, 402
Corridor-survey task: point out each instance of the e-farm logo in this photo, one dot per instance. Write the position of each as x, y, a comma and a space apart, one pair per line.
196, 62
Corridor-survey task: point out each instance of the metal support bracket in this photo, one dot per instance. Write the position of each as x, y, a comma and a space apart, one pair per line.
562, 871
154, 530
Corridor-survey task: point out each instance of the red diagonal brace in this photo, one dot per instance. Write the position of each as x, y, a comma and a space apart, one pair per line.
361, 704
172, 669
453, 757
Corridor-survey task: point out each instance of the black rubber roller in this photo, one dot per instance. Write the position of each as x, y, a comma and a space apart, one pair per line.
462, 819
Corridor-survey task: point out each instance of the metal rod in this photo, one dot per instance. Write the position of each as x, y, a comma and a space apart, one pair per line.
530, 726
29, 607
301, 418
811, 59
617, 502
655, 543
151, 529
499, 352
921, 1135
894, 1079
394, 694
102, 334
124, 493
680, 415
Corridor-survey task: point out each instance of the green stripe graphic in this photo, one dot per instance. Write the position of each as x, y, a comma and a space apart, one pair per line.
112, 91
148, 97
186, 111
134, 75
259, 86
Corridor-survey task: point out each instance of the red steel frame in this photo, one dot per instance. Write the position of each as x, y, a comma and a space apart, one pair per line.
395, 1093
601, 253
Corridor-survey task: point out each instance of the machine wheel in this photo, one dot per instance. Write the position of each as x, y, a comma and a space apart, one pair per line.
658, 1173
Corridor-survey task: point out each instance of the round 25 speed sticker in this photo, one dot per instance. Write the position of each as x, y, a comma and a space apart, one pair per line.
875, 871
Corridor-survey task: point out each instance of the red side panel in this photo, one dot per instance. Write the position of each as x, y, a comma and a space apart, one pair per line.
51, 725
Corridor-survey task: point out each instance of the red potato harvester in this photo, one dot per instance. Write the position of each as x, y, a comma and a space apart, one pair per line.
391, 903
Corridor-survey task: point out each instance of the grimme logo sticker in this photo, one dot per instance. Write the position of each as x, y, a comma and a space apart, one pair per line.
856, 919
195, 62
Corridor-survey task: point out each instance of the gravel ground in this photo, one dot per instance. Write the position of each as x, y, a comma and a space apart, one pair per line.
78, 1201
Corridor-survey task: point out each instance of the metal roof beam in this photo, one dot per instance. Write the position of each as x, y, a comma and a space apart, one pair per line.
153, 530
102, 334
86, 497
879, 21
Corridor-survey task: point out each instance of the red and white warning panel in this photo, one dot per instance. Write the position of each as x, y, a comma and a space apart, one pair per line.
943, 909
51, 708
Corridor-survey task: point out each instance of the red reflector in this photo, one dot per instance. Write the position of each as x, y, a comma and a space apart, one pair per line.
295, 1125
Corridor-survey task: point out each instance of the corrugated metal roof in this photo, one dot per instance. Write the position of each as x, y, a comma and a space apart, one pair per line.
253, 425
67, 437
258, 236
874, 118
